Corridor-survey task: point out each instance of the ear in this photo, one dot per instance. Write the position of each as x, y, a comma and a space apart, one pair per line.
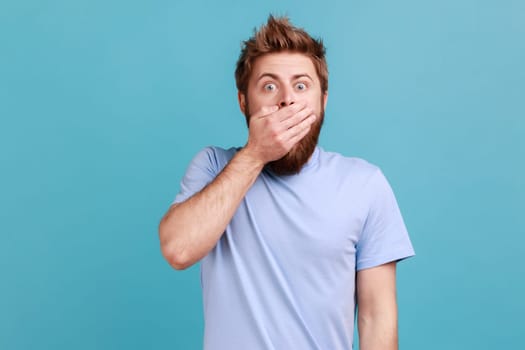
242, 102
325, 99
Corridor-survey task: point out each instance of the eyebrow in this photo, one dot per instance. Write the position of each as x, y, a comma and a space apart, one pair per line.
275, 77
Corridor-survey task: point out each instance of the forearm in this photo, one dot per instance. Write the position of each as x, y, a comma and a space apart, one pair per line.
378, 332
192, 228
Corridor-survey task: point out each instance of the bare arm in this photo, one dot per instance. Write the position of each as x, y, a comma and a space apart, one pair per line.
377, 308
190, 229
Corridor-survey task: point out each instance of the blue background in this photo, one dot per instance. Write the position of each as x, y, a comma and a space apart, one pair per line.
104, 103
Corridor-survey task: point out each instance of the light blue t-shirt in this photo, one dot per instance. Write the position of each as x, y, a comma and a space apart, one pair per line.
282, 276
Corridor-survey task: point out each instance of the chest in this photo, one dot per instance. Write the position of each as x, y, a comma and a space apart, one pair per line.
306, 220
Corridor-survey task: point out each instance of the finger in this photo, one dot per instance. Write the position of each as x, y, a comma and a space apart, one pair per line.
299, 128
289, 111
296, 118
298, 137
266, 111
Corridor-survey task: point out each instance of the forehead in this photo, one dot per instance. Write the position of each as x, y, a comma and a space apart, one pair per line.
283, 64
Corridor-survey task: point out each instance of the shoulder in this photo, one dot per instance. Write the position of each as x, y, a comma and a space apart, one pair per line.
357, 167
214, 158
374, 187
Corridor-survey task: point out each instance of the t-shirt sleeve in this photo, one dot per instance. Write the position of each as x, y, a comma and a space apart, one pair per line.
201, 171
384, 237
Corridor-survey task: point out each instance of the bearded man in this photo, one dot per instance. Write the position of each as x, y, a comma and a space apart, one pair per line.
292, 239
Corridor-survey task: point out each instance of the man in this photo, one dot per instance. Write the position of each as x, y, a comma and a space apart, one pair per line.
290, 237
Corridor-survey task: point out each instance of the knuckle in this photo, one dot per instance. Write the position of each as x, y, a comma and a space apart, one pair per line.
281, 143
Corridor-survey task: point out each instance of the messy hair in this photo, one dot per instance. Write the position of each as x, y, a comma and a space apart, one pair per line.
277, 35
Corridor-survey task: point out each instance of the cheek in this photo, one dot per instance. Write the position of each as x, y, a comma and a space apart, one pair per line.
257, 101
314, 102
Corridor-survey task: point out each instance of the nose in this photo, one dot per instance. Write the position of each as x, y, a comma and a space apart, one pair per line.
287, 97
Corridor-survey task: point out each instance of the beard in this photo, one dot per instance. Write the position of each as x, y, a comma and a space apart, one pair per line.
293, 161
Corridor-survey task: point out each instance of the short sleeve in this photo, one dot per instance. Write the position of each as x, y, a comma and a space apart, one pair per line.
384, 237
201, 171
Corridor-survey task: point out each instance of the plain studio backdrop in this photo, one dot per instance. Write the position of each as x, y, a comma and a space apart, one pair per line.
104, 103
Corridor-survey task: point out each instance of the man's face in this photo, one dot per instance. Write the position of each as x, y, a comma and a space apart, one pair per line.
281, 79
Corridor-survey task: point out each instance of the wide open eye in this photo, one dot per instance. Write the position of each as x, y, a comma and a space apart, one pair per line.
300, 86
270, 87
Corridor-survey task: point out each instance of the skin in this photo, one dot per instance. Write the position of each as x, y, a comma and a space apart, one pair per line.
282, 79
377, 307
282, 102
278, 82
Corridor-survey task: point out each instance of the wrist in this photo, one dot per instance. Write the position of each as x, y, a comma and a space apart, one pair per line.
250, 157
